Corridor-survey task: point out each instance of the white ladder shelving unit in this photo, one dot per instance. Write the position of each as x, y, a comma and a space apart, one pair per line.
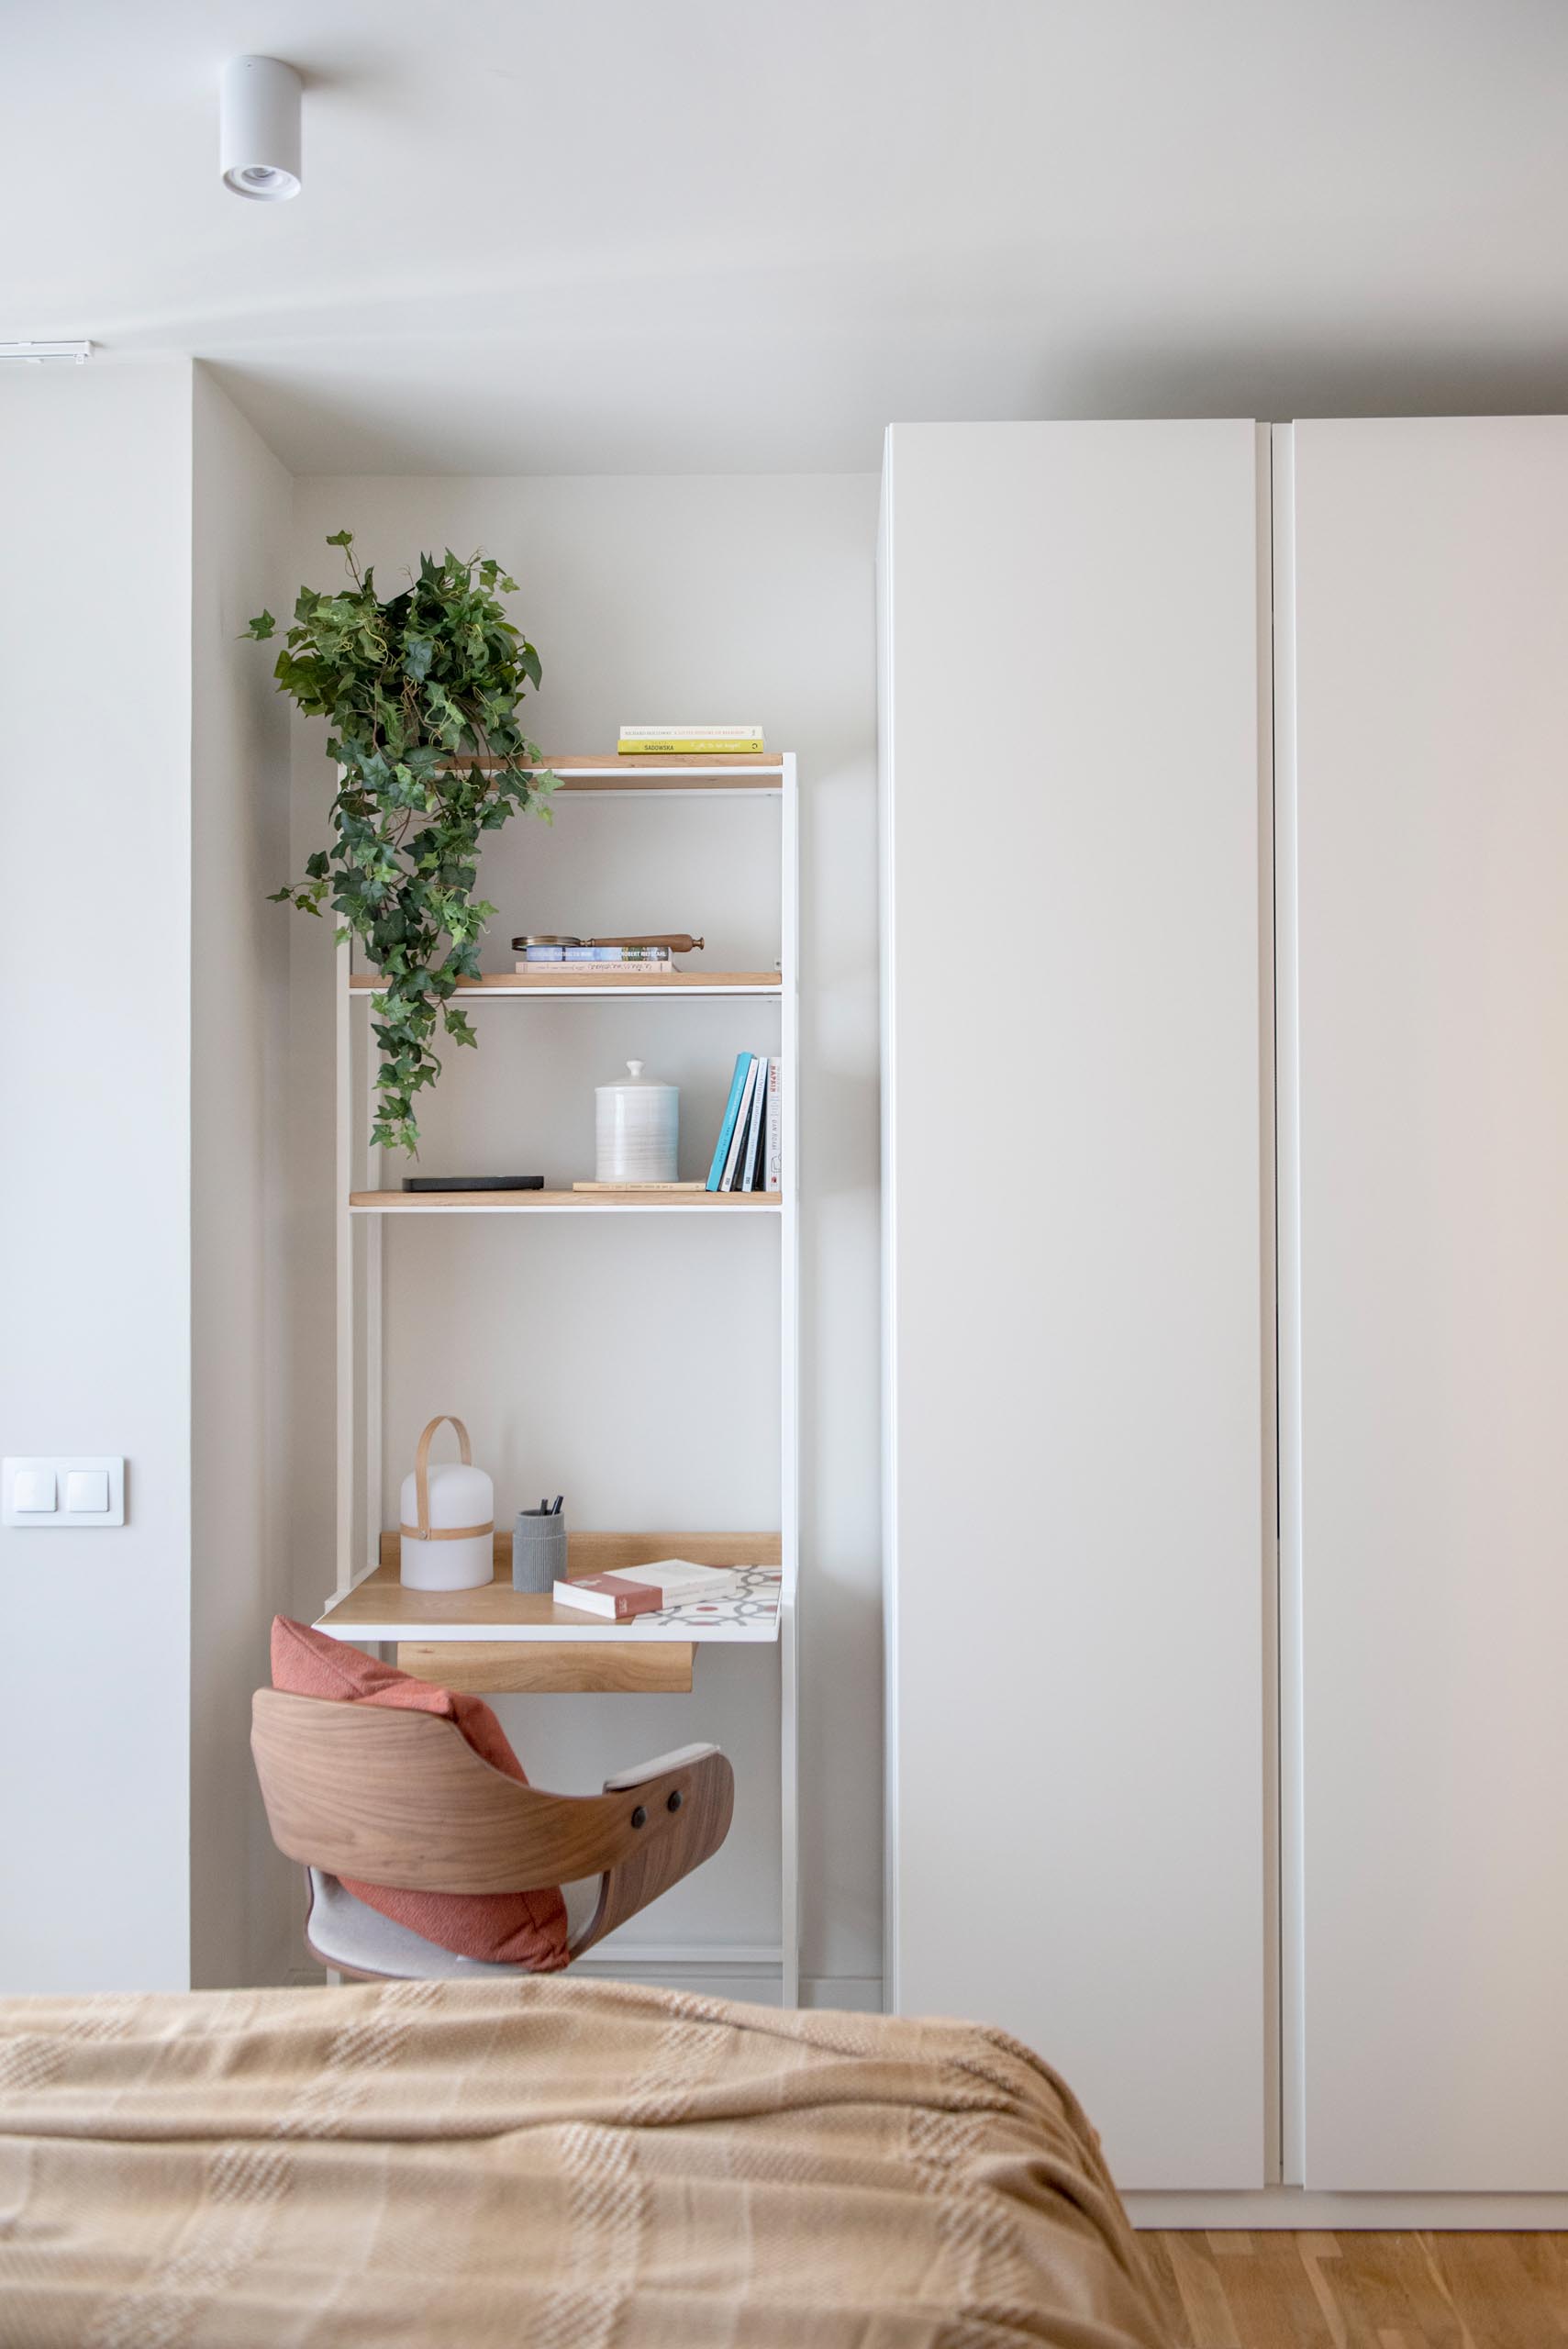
369, 1606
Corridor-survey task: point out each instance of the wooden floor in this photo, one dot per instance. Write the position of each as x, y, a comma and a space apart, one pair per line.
1363, 2291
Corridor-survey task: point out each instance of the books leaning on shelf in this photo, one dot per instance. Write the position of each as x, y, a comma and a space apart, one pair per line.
690, 741
643, 1590
749, 1155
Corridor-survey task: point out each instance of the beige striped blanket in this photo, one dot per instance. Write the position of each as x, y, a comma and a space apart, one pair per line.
550, 2163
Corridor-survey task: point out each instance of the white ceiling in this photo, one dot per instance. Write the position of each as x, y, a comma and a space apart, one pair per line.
710, 235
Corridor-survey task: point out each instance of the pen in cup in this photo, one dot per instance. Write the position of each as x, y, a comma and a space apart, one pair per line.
539, 1547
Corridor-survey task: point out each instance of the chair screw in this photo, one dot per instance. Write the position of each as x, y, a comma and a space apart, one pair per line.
640, 1817
675, 1800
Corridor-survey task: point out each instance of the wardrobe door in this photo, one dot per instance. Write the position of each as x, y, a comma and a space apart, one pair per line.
1076, 1495
1432, 688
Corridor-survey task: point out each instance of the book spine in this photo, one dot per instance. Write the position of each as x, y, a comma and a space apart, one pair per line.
755, 1168
773, 1161
575, 970
606, 954
642, 956
727, 1127
735, 1158
750, 1177
690, 733
701, 746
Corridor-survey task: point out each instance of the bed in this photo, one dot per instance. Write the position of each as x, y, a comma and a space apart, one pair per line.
559, 2163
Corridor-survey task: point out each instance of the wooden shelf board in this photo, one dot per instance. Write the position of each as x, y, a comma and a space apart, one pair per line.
557, 1202
379, 1607
548, 980
613, 773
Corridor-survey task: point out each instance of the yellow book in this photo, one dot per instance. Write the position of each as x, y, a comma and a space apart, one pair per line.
682, 746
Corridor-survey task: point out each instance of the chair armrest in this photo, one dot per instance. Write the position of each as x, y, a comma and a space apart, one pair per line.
640, 1772
694, 1819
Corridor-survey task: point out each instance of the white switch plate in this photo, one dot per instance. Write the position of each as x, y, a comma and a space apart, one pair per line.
60, 1468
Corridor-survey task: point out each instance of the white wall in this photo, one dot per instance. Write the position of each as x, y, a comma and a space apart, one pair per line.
94, 1170
738, 596
241, 559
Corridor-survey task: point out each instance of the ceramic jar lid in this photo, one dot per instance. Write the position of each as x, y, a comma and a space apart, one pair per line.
637, 1083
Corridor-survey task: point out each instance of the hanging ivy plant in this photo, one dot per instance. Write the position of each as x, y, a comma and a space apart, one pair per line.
421, 692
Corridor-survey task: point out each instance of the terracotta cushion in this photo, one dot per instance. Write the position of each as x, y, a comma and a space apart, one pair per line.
499, 1927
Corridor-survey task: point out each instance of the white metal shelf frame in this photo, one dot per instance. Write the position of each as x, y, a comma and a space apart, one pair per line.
359, 1166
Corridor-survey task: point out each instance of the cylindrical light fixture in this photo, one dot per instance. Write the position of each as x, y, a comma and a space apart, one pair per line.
260, 143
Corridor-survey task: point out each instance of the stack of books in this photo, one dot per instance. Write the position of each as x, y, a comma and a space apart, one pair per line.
648, 962
749, 1152
691, 742
644, 1590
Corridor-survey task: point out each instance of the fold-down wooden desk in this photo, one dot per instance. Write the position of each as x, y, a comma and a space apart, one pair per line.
493, 1640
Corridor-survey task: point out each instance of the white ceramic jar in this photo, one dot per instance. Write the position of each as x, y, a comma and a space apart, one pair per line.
637, 1130
448, 1520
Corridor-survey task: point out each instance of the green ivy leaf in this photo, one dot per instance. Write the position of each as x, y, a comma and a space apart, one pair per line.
404, 684
261, 627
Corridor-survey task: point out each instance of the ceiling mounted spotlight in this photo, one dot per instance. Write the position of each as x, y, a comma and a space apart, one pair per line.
260, 143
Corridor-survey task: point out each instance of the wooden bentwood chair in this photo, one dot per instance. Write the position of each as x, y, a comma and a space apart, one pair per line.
401, 1799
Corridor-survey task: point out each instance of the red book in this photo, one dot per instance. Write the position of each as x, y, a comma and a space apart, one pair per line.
618, 1598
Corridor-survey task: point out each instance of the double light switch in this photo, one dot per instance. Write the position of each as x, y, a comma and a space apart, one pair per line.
68, 1489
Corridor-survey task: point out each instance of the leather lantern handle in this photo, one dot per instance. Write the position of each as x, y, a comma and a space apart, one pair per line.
422, 1465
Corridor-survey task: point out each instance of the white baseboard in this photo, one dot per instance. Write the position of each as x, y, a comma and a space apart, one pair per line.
1294, 2206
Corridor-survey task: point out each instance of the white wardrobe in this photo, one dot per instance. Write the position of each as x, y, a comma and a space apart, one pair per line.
1225, 799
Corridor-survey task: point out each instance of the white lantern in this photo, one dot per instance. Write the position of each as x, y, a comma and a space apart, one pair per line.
449, 1519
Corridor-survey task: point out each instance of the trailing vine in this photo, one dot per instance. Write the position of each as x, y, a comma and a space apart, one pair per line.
421, 692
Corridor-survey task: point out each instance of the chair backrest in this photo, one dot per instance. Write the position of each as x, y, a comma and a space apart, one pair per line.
401, 1799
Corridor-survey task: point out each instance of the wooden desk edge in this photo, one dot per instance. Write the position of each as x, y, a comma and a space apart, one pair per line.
559, 1667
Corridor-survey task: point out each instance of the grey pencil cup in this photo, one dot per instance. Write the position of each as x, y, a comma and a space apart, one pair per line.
539, 1550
